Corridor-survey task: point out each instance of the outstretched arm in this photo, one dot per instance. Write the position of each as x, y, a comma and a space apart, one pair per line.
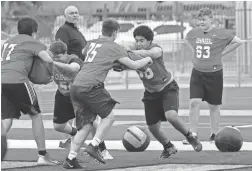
154, 52
45, 56
234, 44
135, 65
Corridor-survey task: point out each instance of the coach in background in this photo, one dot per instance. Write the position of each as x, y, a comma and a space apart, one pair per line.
69, 33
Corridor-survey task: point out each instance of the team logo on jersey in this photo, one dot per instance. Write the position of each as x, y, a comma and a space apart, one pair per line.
206, 41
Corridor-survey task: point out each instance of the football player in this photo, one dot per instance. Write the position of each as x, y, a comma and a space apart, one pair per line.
18, 94
88, 94
161, 96
209, 44
66, 68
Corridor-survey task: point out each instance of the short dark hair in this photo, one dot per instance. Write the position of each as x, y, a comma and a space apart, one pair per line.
27, 26
145, 32
205, 11
58, 47
109, 26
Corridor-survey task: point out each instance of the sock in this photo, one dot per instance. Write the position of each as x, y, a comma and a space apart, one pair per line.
96, 141
42, 152
168, 145
102, 146
71, 155
74, 131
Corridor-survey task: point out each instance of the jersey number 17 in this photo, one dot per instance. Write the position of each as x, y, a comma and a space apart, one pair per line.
6, 51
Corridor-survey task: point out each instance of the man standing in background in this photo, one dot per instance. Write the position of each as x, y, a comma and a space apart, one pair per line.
69, 33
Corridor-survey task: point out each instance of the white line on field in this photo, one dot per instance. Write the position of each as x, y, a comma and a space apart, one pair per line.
117, 145
182, 112
48, 124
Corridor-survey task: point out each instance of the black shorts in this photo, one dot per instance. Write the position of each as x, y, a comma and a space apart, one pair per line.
87, 105
63, 109
207, 85
156, 104
16, 98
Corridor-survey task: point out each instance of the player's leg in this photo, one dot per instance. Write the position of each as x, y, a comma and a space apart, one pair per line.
30, 106
170, 101
102, 103
154, 114
84, 125
63, 112
24, 99
214, 120
214, 89
102, 146
196, 95
8, 110
71, 161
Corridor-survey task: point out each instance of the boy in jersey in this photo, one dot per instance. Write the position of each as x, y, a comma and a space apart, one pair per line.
18, 94
66, 68
161, 96
209, 45
88, 94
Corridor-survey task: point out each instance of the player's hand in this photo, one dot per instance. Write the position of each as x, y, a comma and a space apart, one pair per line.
150, 60
118, 67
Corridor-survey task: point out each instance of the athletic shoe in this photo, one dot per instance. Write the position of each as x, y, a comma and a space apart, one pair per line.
95, 153
65, 143
47, 160
71, 164
212, 137
192, 138
167, 152
106, 155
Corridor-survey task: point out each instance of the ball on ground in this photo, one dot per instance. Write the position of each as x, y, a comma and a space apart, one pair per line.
228, 139
135, 139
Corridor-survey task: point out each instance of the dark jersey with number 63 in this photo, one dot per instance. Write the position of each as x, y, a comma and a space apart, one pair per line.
208, 47
100, 54
17, 57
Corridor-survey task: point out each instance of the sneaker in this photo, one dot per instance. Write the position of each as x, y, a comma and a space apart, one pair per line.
71, 164
95, 153
46, 160
212, 138
106, 155
167, 152
65, 143
193, 140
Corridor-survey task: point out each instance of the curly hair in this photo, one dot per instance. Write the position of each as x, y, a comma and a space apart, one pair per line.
145, 32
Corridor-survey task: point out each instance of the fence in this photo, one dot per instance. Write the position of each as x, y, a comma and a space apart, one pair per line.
177, 56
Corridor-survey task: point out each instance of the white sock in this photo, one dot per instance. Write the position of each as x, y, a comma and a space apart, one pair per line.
96, 141
72, 154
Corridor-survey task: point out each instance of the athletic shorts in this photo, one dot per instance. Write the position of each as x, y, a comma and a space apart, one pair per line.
157, 103
87, 105
63, 109
16, 98
207, 85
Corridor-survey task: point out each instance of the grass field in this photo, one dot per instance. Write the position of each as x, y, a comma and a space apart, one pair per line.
236, 111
